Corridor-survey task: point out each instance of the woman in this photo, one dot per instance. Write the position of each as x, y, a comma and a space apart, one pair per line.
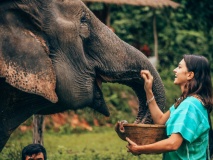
186, 121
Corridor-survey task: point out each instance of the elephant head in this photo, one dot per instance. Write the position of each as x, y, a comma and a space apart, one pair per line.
54, 55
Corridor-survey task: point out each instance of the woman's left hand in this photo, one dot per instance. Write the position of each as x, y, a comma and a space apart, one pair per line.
132, 147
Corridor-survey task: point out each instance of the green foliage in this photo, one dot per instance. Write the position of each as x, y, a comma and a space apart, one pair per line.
67, 129
12, 152
96, 6
117, 95
137, 30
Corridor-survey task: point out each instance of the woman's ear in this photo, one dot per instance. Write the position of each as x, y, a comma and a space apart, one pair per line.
25, 63
190, 75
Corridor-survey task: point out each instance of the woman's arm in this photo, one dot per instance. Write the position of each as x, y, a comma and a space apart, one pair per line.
157, 115
170, 144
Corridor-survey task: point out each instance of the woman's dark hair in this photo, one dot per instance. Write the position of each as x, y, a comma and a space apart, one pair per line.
201, 83
33, 149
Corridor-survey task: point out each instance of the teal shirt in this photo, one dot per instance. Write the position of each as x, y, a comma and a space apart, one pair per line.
190, 119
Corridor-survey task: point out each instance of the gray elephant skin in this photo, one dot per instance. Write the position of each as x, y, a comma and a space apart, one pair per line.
54, 55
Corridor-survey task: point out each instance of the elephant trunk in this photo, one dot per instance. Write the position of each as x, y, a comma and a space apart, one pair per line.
117, 61
127, 72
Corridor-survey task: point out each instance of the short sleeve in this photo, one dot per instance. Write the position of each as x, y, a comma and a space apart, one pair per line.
189, 119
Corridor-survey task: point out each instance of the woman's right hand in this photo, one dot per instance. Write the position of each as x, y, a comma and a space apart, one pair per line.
148, 80
157, 115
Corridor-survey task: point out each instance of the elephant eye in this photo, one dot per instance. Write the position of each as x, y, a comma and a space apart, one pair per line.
84, 18
84, 26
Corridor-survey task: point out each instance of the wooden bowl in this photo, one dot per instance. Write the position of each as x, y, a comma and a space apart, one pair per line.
143, 134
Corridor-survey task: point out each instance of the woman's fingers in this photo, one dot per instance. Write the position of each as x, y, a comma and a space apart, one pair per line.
130, 141
145, 72
128, 145
131, 146
146, 75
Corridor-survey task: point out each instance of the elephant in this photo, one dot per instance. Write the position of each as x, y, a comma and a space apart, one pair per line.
55, 55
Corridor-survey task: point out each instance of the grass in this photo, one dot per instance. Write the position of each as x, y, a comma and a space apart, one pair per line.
99, 144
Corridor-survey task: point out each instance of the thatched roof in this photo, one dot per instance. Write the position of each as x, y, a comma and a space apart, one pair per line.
150, 3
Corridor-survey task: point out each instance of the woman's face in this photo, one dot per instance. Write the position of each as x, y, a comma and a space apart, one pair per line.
181, 74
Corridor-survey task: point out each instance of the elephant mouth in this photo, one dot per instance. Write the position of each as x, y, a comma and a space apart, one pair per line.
122, 76
130, 78
98, 103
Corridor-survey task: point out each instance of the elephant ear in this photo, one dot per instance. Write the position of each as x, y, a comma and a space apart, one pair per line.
25, 63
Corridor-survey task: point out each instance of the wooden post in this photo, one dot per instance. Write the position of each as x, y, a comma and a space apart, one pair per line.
155, 36
38, 129
108, 19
